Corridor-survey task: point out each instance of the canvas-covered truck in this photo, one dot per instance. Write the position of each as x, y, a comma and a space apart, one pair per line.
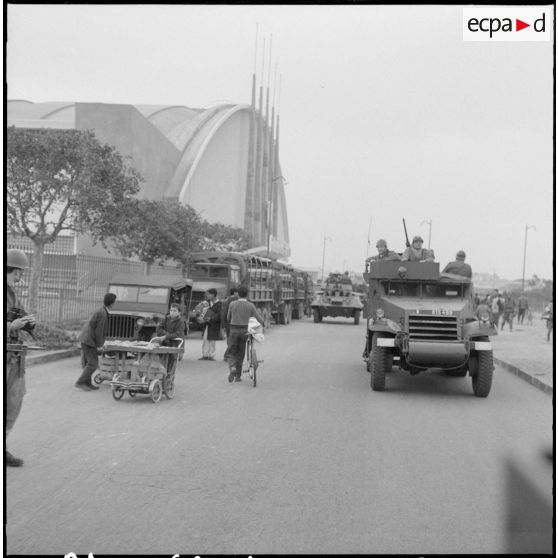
224, 270
337, 299
420, 318
142, 301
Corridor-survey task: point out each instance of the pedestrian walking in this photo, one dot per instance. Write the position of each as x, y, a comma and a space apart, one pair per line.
92, 339
212, 325
238, 314
233, 295
496, 307
522, 307
17, 321
509, 311
548, 315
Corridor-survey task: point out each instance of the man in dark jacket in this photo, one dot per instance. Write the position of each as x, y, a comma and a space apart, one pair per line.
233, 295
212, 327
92, 338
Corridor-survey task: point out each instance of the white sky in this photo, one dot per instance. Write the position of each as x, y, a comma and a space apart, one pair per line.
386, 113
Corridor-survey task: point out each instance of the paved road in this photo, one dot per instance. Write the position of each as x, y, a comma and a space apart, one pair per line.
310, 461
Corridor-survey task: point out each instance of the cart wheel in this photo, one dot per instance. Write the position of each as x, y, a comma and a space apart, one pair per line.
156, 391
131, 393
117, 393
168, 386
253, 365
97, 378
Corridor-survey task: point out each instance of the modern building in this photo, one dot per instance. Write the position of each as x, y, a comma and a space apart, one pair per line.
223, 160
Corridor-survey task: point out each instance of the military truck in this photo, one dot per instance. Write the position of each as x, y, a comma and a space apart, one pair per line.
337, 298
420, 318
142, 301
223, 270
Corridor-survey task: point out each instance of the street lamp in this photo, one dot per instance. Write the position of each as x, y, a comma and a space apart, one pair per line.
527, 227
429, 223
323, 258
270, 209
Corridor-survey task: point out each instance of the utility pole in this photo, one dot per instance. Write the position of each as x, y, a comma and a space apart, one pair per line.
323, 259
429, 223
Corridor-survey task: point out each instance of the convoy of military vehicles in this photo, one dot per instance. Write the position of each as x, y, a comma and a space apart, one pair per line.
416, 317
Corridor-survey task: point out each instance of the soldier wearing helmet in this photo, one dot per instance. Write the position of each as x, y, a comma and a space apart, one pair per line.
16, 320
416, 253
459, 267
383, 252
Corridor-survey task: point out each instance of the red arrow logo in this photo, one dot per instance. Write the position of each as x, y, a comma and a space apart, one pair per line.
519, 25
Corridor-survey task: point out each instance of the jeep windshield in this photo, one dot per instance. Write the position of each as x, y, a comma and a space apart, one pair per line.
127, 293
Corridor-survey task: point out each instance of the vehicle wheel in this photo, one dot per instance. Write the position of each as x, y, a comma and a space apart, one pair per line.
379, 361
117, 392
97, 378
482, 380
317, 315
357, 317
131, 393
168, 386
156, 392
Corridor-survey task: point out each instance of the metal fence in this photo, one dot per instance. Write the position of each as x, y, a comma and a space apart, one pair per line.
72, 286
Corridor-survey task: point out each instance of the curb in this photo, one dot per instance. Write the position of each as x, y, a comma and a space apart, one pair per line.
51, 356
524, 376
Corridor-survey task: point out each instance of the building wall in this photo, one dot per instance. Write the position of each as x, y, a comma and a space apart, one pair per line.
153, 156
217, 187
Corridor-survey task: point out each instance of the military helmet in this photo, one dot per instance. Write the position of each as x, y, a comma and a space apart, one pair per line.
16, 258
460, 255
417, 238
381, 242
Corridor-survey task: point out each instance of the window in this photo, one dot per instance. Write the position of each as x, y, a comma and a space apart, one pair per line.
124, 294
153, 294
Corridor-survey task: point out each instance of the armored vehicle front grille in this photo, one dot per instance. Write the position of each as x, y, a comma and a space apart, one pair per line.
428, 327
121, 327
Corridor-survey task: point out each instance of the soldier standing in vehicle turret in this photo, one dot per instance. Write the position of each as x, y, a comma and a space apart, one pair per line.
383, 252
416, 253
459, 267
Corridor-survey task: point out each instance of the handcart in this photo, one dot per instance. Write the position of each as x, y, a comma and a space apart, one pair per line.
150, 371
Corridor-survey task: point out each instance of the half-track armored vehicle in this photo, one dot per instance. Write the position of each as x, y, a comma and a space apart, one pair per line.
337, 299
421, 318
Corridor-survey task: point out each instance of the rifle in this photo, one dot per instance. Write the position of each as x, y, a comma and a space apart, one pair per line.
406, 235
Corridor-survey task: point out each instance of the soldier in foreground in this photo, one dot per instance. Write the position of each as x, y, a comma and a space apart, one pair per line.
16, 321
383, 252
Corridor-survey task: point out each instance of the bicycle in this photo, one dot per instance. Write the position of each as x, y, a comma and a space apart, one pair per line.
251, 355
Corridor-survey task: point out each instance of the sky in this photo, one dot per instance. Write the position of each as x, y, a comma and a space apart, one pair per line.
386, 114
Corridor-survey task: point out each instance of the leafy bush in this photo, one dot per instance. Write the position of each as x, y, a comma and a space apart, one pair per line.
54, 337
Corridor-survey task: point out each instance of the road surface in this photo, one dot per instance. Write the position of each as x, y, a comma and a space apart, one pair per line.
310, 461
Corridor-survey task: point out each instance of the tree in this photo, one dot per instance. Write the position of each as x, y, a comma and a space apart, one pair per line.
217, 236
155, 231
63, 180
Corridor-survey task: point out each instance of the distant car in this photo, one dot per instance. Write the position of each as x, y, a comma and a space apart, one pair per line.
337, 299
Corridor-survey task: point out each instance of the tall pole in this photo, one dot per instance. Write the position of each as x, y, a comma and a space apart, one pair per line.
270, 212
323, 258
527, 227
429, 223
368, 244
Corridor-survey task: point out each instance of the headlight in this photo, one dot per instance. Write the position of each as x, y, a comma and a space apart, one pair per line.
379, 313
484, 317
140, 322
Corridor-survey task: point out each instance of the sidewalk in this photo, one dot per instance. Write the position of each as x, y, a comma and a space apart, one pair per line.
524, 351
